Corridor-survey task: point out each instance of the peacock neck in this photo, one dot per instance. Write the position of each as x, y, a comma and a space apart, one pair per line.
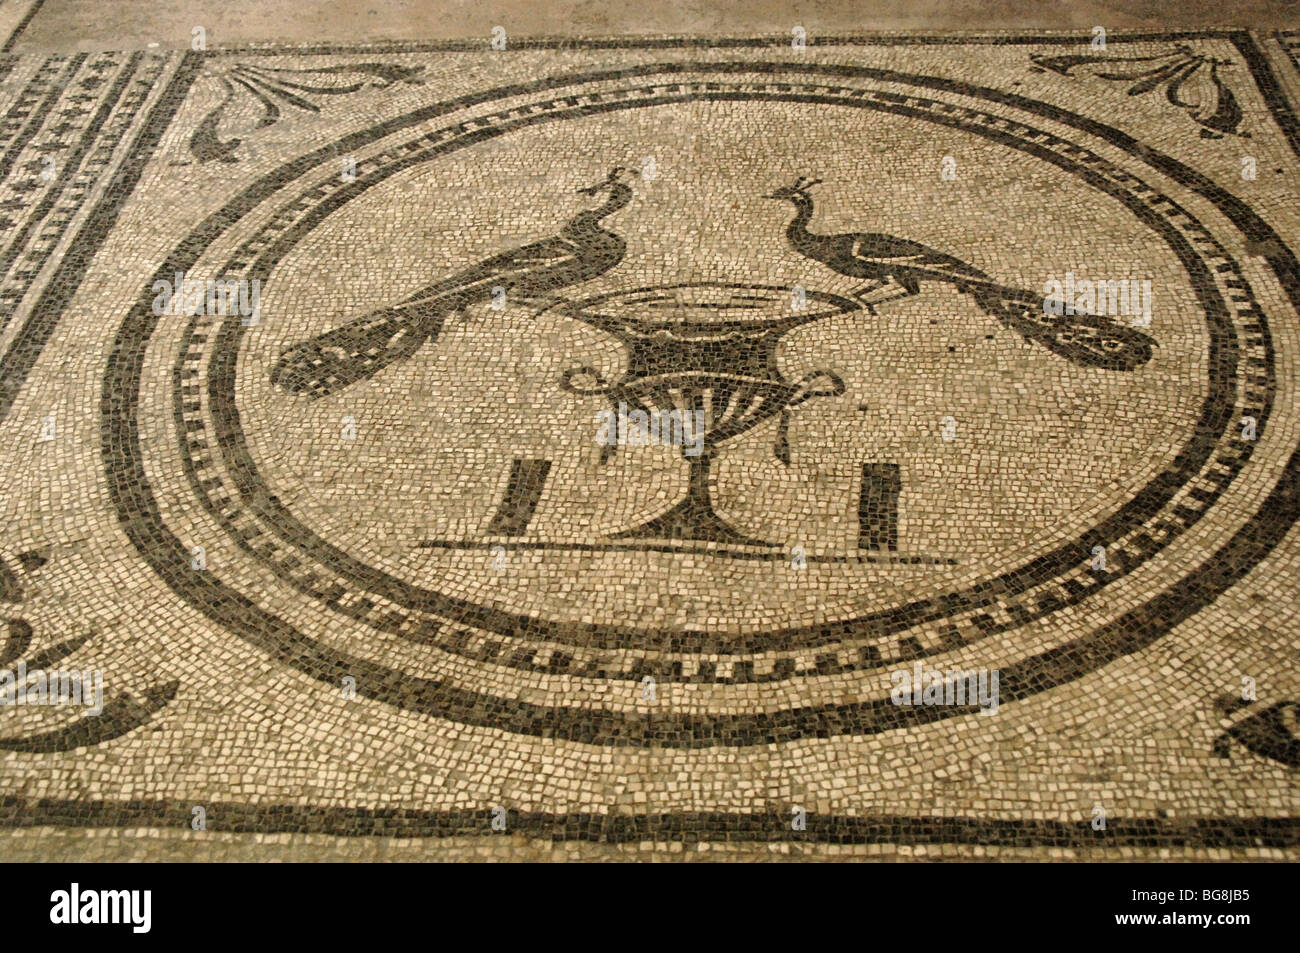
619, 196
798, 230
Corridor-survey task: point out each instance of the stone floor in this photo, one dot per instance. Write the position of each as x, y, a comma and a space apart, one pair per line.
777, 445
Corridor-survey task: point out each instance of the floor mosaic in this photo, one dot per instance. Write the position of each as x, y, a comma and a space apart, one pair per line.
841, 447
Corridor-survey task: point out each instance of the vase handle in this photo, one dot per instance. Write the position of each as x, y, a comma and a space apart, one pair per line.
567, 381
816, 384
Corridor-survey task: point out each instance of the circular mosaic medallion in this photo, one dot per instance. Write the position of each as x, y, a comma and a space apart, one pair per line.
543, 427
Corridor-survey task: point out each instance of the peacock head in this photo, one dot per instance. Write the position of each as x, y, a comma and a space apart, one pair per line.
619, 194
609, 182
796, 192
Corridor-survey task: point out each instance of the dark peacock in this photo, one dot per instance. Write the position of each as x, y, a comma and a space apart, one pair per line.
899, 265
582, 250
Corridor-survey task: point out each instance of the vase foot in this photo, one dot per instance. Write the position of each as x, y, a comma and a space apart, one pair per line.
687, 520
694, 517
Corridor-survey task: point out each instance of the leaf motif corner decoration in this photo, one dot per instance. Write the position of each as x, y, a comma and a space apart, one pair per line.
1191, 81
278, 88
1272, 733
120, 715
